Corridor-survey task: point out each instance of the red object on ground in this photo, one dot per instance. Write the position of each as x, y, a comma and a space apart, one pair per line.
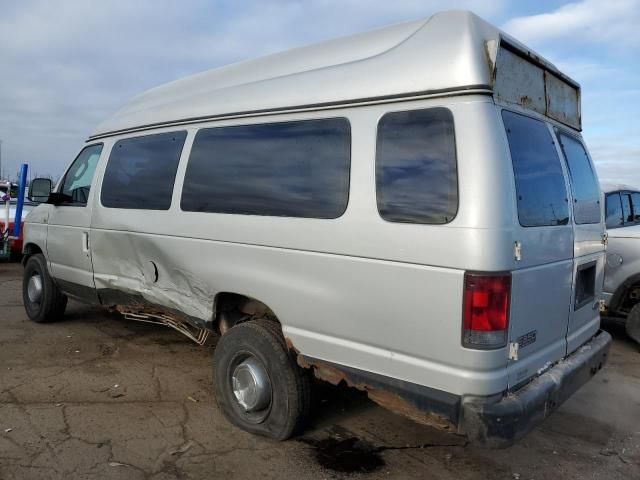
15, 245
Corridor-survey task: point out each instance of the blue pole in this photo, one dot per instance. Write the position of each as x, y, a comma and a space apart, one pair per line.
17, 222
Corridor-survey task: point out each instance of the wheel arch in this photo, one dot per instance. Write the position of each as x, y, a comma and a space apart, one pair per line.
29, 250
232, 308
621, 293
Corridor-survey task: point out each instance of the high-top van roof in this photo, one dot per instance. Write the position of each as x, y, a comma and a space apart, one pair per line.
614, 187
452, 51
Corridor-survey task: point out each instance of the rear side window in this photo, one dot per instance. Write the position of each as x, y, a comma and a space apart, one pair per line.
586, 193
540, 184
141, 171
615, 215
289, 169
416, 171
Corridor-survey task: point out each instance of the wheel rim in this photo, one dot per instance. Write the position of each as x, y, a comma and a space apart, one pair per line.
251, 385
35, 289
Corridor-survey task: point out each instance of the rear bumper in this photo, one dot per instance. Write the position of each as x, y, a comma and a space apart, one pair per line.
500, 423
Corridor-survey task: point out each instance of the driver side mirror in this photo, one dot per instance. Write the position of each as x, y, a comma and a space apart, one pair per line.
40, 189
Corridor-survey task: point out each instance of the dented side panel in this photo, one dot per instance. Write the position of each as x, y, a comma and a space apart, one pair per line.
125, 261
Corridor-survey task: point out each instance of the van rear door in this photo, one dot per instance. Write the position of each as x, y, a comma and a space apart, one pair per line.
589, 231
542, 276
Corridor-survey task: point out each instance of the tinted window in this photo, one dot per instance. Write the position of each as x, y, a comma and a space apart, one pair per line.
292, 169
626, 207
141, 171
615, 216
540, 187
635, 204
416, 172
586, 193
77, 181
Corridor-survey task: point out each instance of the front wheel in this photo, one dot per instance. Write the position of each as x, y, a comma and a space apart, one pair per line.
42, 299
259, 386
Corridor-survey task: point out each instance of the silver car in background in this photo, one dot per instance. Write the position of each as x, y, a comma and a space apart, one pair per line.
621, 293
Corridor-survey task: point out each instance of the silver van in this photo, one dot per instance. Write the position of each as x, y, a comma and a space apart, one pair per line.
621, 292
411, 211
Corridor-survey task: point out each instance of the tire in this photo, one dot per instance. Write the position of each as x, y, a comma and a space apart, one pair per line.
261, 342
51, 302
632, 324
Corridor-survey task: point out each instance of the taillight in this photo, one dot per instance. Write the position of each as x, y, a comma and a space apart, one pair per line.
485, 320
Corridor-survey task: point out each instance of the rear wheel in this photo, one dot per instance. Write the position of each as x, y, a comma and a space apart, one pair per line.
632, 324
42, 299
259, 386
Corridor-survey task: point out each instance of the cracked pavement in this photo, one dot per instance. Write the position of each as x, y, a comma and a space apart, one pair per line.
99, 397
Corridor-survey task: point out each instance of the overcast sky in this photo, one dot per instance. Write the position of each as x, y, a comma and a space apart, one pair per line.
66, 65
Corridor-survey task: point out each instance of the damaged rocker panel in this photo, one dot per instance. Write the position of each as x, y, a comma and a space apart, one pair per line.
135, 307
421, 404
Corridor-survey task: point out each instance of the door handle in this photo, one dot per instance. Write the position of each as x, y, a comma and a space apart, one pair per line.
85, 242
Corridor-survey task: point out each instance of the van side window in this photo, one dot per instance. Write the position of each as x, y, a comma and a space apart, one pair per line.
416, 170
286, 169
586, 193
141, 171
615, 216
626, 207
635, 204
77, 181
540, 185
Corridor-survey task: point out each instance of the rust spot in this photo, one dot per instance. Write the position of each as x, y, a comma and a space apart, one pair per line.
397, 404
146, 309
290, 346
389, 400
525, 100
333, 375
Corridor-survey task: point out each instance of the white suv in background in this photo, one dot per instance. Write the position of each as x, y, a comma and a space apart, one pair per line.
621, 291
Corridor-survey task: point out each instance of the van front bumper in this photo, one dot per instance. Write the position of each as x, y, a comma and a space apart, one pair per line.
500, 423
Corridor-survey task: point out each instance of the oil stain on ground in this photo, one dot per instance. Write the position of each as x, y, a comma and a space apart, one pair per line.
342, 451
347, 455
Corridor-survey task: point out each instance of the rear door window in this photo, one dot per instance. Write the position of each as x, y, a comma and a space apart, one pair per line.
615, 215
540, 184
586, 193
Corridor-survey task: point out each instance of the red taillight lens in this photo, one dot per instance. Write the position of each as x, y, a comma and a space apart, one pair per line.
486, 310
